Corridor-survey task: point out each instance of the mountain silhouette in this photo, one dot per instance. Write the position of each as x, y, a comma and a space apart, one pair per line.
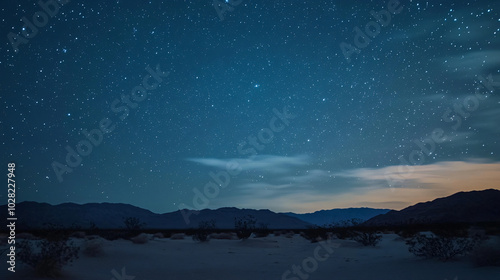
461, 207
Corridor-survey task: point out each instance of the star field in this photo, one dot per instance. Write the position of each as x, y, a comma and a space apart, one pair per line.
434, 66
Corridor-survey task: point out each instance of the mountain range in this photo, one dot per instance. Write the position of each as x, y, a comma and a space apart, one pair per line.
334, 216
112, 216
461, 207
33, 215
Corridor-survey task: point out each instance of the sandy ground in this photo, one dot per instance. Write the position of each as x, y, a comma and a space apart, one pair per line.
262, 258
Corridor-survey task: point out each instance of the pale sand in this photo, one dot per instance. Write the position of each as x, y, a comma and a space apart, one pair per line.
262, 258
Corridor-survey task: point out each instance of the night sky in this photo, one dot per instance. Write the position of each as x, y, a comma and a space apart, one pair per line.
285, 103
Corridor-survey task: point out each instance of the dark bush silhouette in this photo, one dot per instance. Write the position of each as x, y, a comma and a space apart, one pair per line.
244, 226
316, 233
443, 247
204, 230
367, 238
344, 229
49, 255
262, 230
133, 223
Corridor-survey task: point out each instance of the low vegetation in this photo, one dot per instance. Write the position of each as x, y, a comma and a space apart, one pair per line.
50, 255
367, 238
315, 234
244, 226
262, 230
133, 223
205, 228
443, 247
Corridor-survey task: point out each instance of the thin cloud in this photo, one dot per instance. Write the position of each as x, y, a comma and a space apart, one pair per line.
309, 176
422, 183
269, 163
446, 175
472, 62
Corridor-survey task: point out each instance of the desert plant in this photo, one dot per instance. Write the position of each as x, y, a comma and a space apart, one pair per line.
133, 223
244, 226
344, 229
93, 247
203, 231
315, 234
442, 247
354, 222
49, 255
262, 230
367, 238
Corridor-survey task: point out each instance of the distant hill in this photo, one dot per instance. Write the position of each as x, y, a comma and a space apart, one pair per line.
462, 207
325, 217
111, 215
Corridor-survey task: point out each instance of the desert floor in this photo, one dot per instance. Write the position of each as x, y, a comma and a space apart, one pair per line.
260, 258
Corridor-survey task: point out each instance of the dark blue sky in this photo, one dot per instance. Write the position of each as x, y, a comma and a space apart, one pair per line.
413, 114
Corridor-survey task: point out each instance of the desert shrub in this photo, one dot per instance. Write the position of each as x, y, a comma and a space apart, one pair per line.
354, 222
244, 226
261, 230
142, 238
49, 255
407, 233
344, 229
93, 247
315, 234
344, 233
367, 238
442, 247
487, 254
133, 223
204, 229
177, 236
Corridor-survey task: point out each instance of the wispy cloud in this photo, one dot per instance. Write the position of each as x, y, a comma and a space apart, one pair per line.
489, 120
472, 63
269, 163
308, 177
281, 183
460, 173
423, 183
